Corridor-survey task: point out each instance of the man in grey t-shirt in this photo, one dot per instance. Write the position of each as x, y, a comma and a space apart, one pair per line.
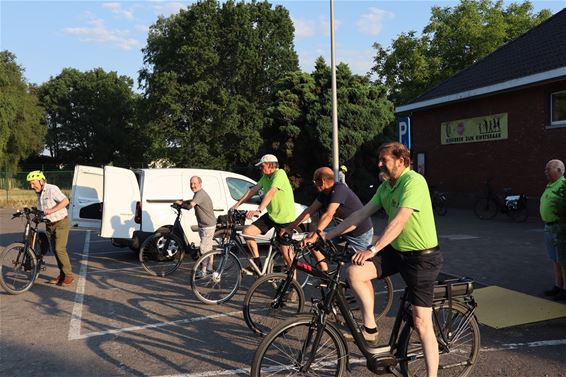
204, 212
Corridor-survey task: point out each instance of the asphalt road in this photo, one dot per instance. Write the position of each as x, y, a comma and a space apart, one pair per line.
118, 321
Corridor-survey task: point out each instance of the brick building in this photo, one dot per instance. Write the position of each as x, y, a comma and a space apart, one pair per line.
502, 118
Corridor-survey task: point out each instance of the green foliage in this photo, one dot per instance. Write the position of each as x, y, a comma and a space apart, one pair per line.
91, 117
21, 131
209, 74
300, 129
455, 38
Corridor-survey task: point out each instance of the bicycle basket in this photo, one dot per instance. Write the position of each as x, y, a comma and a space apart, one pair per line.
445, 289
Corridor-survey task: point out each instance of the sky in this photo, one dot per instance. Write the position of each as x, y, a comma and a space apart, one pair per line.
47, 36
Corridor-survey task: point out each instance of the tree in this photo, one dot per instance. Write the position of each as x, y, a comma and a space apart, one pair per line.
21, 131
455, 38
90, 116
209, 74
300, 128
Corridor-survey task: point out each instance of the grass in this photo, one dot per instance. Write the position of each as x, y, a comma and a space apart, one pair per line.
19, 198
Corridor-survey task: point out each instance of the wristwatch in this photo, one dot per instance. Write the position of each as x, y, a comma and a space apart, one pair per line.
372, 249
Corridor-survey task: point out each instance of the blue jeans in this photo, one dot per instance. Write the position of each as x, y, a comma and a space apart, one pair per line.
358, 243
556, 249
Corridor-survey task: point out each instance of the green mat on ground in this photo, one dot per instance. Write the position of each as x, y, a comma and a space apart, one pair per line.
499, 307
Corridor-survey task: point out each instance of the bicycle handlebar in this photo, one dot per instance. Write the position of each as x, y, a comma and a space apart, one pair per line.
38, 216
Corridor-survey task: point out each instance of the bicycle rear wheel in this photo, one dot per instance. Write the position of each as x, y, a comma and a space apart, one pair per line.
289, 346
162, 253
216, 276
485, 208
266, 304
458, 357
18, 268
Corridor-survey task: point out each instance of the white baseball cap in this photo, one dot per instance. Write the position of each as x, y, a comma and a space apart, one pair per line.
267, 158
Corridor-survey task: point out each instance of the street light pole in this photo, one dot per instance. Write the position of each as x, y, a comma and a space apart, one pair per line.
335, 157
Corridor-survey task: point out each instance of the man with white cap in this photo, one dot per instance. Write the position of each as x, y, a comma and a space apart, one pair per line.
279, 201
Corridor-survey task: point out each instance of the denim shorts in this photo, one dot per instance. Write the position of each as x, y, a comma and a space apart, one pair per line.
358, 243
556, 250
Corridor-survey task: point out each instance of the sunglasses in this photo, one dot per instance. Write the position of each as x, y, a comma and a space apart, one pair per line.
317, 181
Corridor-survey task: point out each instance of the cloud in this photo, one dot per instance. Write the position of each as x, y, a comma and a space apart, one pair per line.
97, 32
116, 8
305, 28
372, 23
166, 9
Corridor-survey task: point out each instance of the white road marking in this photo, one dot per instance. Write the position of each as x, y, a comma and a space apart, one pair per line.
76, 316
160, 324
503, 347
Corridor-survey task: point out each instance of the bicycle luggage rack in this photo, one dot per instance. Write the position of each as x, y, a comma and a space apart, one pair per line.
447, 289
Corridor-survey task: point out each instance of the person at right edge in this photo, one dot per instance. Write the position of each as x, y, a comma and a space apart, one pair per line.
554, 171
408, 245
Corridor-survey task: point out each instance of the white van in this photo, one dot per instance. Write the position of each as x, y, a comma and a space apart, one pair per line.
129, 205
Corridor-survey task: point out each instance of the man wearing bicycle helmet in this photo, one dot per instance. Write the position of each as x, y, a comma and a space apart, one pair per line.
342, 174
408, 245
53, 203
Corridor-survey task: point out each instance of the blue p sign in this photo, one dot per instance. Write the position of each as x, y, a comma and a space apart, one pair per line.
405, 131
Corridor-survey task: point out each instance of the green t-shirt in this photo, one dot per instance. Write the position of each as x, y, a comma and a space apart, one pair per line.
548, 201
281, 208
410, 191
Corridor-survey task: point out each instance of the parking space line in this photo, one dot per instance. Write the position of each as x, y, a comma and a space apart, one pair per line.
362, 361
76, 316
234, 314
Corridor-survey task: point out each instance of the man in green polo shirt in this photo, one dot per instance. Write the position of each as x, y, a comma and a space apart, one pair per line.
555, 247
408, 245
279, 201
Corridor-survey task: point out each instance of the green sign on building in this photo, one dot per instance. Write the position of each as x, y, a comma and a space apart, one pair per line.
473, 130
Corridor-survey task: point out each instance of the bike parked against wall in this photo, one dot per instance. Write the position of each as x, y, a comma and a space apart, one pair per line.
21, 262
514, 205
438, 199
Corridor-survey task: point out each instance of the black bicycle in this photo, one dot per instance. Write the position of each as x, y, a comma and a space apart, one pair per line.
275, 297
21, 262
162, 253
310, 344
216, 276
515, 206
438, 199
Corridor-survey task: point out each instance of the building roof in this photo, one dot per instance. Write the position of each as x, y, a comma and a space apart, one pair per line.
536, 56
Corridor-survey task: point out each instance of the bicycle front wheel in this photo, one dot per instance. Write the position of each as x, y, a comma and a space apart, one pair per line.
291, 348
270, 300
439, 207
162, 253
216, 276
485, 208
18, 268
457, 357
278, 264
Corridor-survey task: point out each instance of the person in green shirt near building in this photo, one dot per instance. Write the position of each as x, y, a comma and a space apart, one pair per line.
408, 245
556, 248
279, 201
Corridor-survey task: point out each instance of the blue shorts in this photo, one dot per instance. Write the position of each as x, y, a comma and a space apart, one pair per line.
358, 243
555, 249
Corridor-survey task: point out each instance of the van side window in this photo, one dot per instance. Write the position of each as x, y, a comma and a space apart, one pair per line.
238, 187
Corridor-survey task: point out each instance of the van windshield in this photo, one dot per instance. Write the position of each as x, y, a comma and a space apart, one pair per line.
238, 187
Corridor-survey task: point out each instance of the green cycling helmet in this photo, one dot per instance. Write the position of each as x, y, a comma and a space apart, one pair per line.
344, 168
35, 175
